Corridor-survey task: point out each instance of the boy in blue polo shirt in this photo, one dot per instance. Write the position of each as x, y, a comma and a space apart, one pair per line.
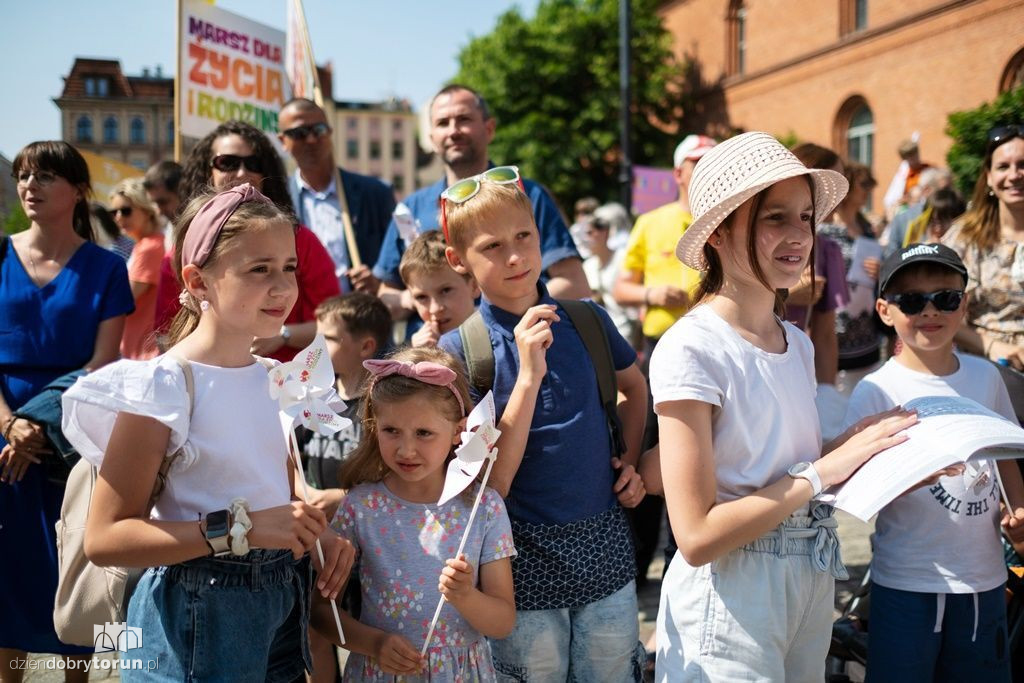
575, 574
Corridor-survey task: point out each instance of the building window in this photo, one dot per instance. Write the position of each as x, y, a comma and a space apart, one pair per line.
374, 149
398, 182
170, 132
736, 21
1013, 74
352, 148
397, 149
353, 123
137, 132
83, 129
97, 86
860, 136
853, 16
111, 135
396, 126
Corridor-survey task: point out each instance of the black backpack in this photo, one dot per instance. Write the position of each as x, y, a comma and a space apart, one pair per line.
476, 345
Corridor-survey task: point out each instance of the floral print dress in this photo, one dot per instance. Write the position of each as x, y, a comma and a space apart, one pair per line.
402, 548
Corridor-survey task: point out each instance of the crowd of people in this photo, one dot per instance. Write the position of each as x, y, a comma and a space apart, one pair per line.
760, 335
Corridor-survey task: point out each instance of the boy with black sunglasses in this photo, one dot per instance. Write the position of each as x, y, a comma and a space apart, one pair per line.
938, 575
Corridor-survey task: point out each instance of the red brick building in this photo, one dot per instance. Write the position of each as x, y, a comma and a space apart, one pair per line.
127, 118
856, 75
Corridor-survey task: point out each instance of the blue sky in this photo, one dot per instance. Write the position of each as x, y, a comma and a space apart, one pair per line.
403, 48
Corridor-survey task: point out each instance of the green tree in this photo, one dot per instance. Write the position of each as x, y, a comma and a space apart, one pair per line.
553, 84
15, 222
969, 131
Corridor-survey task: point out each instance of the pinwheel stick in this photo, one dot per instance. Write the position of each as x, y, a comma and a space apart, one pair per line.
294, 447
462, 546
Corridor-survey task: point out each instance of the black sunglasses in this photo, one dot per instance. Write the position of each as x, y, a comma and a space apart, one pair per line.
302, 132
124, 211
912, 303
229, 163
1001, 134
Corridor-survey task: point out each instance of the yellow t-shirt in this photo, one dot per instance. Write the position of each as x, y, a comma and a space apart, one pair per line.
652, 252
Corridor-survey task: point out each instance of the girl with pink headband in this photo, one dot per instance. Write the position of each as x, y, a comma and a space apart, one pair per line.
226, 595
415, 411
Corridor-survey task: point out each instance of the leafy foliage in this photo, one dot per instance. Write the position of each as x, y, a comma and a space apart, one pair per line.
969, 131
553, 84
15, 222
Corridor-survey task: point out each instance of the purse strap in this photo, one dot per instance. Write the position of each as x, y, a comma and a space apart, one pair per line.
165, 466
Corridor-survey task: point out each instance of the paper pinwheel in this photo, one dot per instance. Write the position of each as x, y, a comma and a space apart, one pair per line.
477, 447
304, 389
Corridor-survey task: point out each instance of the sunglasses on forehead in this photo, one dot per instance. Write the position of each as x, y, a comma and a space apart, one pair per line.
464, 190
302, 132
912, 303
229, 163
1001, 134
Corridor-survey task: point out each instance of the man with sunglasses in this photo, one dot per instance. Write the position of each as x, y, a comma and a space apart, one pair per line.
461, 127
938, 575
306, 135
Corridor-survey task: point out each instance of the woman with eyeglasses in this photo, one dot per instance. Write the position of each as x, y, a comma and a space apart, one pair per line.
138, 217
236, 153
990, 240
63, 302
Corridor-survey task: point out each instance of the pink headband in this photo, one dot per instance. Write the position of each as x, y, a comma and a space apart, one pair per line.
425, 371
209, 221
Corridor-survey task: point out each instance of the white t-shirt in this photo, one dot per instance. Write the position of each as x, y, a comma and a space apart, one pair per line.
234, 443
942, 538
602, 281
764, 419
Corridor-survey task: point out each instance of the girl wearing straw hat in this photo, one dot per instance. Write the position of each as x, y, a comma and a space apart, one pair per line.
749, 594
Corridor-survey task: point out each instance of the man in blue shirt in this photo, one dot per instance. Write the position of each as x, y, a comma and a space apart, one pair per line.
461, 127
306, 135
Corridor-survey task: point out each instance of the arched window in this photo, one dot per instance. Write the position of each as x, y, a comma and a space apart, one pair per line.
170, 132
111, 134
83, 129
138, 131
860, 136
736, 22
1013, 74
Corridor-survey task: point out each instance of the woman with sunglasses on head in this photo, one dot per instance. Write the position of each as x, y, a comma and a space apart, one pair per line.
236, 153
63, 302
138, 217
990, 240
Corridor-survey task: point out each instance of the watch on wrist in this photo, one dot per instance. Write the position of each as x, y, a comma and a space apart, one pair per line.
218, 524
805, 470
285, 334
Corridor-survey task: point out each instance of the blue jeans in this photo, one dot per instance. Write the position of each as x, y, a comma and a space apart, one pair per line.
595, 643
904, 645
223, 619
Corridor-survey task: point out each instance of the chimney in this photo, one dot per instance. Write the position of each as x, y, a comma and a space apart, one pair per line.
145, 72
159, 71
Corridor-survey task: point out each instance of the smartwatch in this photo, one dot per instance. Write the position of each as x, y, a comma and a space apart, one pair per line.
217, 526
285, 334
805, 470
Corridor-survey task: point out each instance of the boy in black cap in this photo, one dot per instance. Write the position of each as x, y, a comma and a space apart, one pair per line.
937, 607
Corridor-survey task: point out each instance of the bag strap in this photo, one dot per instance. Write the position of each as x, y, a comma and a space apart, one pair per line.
476, 345
588, 325
165, 465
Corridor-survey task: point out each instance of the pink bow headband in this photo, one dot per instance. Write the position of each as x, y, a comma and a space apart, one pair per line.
210, 219
424, 371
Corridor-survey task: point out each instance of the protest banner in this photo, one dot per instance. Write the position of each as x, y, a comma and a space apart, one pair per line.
229, 67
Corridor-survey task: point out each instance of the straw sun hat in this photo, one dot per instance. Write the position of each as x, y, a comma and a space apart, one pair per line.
736, 170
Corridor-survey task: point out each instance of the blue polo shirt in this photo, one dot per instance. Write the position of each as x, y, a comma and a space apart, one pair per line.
555, 241
566, 473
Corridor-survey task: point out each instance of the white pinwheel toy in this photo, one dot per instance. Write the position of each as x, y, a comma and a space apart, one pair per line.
304, 389
479, 445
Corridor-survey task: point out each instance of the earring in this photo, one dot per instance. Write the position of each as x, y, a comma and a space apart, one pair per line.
991, 192
204, 305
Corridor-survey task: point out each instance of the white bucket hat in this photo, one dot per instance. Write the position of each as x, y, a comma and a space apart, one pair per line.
736, 170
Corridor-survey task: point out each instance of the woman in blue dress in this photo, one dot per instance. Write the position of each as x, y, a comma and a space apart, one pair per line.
63, 302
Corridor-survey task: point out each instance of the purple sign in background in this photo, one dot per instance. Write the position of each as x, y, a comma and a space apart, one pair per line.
652, 187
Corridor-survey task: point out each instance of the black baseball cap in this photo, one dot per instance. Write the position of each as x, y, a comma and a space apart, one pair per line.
920, 253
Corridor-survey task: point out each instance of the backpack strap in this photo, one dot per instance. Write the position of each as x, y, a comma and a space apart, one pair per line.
165, 466
588, 325
476, 346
